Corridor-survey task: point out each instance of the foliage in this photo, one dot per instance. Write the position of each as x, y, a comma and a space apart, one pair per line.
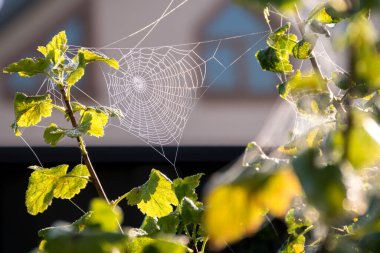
46, 184
325, 179
173, 212
324, 183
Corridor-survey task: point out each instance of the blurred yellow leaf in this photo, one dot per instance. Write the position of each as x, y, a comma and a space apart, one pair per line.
279, 191
228, 218
236, 210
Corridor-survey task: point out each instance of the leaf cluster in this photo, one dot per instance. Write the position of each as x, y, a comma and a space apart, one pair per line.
163, 229
326, 178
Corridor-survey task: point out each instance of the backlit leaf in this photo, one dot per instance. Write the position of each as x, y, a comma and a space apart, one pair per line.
190, 212
104, 216
295, 221
30, 110
44, 184
169, 223
281, 40
303, 49
64, 240
109, 111
282, 183
92, 122
56, 48
296, 245
75, 76
363, 141
28, 67
53, 134
71, 184
229, 215
300, 84
238, 209
156, 197
90, 56
323, 15
150, 226
272, 60
150, 245
186, 187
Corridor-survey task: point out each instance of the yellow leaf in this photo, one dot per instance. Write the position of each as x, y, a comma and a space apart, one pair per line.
279, 192
229, 216
234, 211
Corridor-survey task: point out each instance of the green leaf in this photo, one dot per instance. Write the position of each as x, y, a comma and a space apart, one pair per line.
150, 226
323, 187
53, 134
323, 15
104, 216
78, 72
295, 245
92, 123
186, 187
149, 245
169, 223
77, 107
45, 184
272, 60
300, 84
64, 240
295, 221
30, 110
363, 147
56, 48
90, 56
281, 40
303, 49
75, 76
190, 212
71, 184
156, 197
309, 92
363, 142
28, 67
109, 111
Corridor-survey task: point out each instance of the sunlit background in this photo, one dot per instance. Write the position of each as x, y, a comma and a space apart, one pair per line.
233, 110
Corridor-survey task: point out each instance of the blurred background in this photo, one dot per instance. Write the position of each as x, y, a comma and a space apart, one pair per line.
232, 112
242, 98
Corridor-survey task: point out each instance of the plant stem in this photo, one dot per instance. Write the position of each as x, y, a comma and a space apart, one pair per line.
301, 28
204, 244
82, 146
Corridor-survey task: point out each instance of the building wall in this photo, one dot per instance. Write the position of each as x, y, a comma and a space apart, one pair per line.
230, 121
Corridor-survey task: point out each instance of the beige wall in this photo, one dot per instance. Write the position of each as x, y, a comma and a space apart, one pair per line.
212, 122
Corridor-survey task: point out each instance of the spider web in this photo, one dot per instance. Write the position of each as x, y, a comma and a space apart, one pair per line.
157, 88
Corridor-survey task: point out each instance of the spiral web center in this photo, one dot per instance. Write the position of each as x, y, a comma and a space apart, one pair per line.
139, 84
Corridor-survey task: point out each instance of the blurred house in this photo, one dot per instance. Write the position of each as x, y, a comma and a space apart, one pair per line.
233, 110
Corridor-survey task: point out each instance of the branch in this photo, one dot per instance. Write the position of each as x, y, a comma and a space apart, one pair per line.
82, 147
301, 28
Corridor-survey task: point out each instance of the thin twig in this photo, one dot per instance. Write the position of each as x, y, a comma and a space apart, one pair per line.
301, 28
83, 149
